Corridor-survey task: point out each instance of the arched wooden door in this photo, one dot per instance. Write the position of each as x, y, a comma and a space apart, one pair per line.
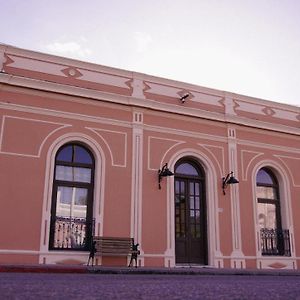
190, 213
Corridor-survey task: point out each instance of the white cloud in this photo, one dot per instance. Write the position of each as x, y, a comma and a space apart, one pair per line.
70, 49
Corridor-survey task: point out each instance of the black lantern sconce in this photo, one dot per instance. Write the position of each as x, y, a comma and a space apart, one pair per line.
164, 172
229, 179
183, 97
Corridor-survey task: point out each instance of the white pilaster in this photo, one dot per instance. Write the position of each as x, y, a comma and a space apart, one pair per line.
137, 179
237, 256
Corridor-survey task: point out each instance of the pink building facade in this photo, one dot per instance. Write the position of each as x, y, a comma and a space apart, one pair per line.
81, 146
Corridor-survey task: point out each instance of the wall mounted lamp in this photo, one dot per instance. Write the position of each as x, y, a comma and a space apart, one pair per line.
229, 179
164, 172
182, 99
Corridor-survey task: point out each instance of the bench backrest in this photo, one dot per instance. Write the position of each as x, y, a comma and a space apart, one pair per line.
113, 245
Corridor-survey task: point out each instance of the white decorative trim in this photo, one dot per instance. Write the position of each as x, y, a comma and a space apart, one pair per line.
35, 65
97, 132
245, 172
5, 117
161, 89
270, 110
229, 106
20, 251
176, 143
146, 103
137, 188
138, 88
268, 146
52, 68
237, 253
63, 114
99, 186
206, 99
103, 78
275, 263
143, 103
280, 157
222, 166
185, 133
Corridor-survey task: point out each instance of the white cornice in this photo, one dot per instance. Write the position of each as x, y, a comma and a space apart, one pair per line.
138, 102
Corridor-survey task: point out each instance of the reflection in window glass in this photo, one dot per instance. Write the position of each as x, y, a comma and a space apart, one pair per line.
65, 154
73, 174
265, 192
186, 169
263, 177
80, 196
71, 211
268, 205
192, 199
82, 155
71, 202
64, 195
266, 215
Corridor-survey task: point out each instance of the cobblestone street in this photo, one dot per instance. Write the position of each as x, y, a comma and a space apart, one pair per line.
96, 286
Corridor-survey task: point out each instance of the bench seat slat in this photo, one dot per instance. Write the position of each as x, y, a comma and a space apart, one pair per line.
113, 245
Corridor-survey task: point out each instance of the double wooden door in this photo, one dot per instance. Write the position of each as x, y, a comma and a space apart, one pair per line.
190, 221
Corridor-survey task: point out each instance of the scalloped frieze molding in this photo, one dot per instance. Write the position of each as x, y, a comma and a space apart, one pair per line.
51, 68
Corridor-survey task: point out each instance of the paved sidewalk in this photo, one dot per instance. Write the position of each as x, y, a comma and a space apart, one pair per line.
80, 269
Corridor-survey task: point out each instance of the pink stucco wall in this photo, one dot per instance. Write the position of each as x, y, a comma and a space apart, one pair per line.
134, 123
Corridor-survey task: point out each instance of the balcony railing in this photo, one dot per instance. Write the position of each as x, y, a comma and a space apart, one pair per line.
275, 242
72, 233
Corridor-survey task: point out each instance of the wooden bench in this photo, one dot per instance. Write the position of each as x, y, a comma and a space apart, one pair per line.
113, 246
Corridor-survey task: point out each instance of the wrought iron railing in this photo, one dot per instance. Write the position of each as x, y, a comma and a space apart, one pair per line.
72, 233
275, 242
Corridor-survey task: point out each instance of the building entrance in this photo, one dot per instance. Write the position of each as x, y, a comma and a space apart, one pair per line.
190, 214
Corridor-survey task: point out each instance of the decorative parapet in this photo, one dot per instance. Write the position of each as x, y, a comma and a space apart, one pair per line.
83, 79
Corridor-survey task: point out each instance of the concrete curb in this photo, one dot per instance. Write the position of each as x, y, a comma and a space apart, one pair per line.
83, 269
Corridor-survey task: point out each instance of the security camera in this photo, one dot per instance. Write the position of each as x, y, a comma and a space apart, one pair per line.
184, 97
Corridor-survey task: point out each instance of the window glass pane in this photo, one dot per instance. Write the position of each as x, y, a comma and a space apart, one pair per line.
266, 215
186, 169
263, 177
197, 188
265, 192
176, 186
73, 174
80, 202
64, 173
182, 189
71, 202
65, 154
64, 195
192, 200
82, 175
197, 201
80, 197
192, 188
82, 155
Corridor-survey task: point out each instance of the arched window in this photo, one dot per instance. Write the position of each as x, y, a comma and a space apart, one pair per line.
274, 240
72, 198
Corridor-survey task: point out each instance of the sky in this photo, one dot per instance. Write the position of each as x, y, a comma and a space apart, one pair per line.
249, 47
